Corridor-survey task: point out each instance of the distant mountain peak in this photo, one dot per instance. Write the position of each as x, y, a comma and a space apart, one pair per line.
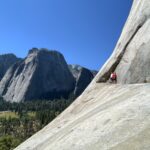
7, 60
43, 74
43, 50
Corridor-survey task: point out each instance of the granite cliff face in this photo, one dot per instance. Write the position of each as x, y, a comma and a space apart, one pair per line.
6, 61
109, 116
131, 57
75, 70
83, 78
39, 76
42, 74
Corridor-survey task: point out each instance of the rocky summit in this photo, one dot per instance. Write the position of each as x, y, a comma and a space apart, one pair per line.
42, 74
6, 60
109, 116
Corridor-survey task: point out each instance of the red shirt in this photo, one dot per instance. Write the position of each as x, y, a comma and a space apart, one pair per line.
113, 76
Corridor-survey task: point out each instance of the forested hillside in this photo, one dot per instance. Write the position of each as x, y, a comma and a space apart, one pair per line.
18, 121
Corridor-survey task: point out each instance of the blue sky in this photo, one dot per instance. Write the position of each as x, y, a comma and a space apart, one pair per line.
84, 31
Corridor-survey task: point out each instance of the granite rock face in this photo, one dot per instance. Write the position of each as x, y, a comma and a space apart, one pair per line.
109, 116
6, 61
75, 70
42, 74
104, 117
131, 57
83, 78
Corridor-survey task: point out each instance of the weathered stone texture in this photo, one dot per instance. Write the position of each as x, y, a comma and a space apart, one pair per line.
131, 57
83, 78
42, 75
109, 116
6, 61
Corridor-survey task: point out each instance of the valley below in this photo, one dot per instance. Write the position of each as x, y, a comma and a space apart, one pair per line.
19, 121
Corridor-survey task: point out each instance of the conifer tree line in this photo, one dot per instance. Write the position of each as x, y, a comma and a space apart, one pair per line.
30, 117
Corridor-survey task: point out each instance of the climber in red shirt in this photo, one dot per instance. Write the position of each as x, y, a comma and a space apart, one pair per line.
113, 77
